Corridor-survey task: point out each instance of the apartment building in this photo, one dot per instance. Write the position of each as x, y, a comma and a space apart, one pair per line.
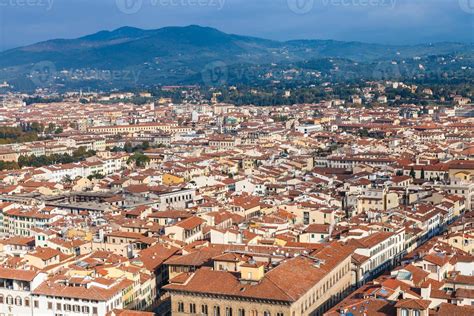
303, 285
376, 253
174, 199
15, 290
187, 230
79, 296
19, 222
130, 129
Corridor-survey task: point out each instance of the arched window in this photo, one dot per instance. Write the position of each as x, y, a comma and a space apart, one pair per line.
9, 300
217, 311
241, 312
1, 299
267, 313
181, 307
228, 311
18, 301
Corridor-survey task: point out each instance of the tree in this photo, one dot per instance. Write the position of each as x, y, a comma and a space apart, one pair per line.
139, 159
128, 147
95, 175
422, 173
67, 179
8, 165
51, 128
80, 152
36, 127
412, 172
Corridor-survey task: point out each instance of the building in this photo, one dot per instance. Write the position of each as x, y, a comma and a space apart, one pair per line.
304, 285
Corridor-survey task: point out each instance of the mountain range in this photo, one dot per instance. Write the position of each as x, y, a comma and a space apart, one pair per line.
179, 54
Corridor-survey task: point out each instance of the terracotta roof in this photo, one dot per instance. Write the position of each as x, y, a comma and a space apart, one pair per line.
413, 304
277, 285
190, 223
54, 288
154, 256
122, 312
446, 309
20, 275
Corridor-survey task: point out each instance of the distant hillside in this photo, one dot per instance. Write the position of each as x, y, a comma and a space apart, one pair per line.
178, 54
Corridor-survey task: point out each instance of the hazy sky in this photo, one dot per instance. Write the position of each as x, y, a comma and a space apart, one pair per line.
383, 21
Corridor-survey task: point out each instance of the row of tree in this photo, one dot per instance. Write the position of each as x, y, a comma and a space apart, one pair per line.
10, 135
39, 161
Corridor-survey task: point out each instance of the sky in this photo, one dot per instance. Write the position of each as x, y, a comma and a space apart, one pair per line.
24, 22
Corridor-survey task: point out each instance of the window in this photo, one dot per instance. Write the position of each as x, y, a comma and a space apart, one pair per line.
404, 312
204, 310
27, 302
36, 304
94, 310
50, 305
18, 301
416, 312
180, 307
1, 299
267, 313
58, 306
241, 312
280, 314
217, 311
192, 308
228, 311
9, 300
